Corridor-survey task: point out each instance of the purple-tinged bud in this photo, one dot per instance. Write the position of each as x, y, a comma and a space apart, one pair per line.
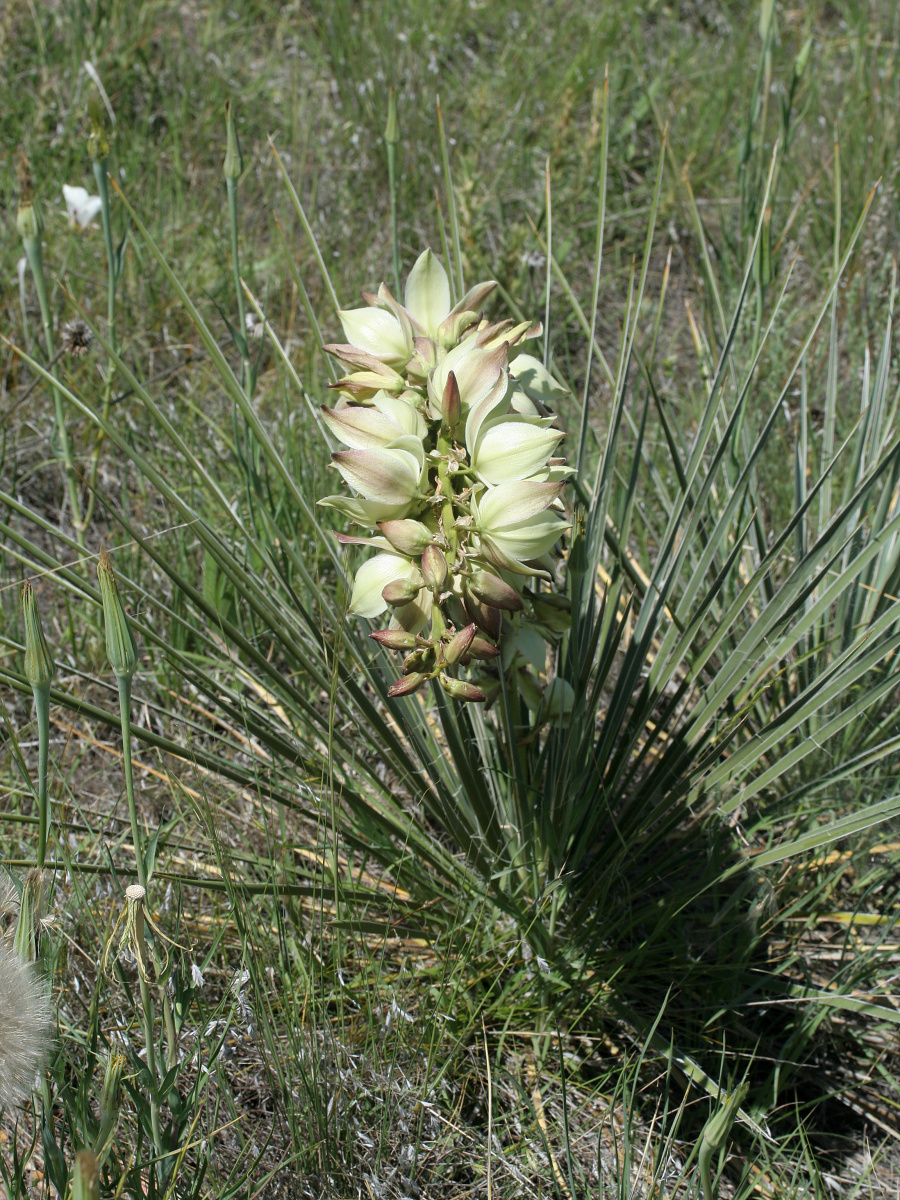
460, 644
406, 536
419, 660
400, 591
459, 689
489, 620
406, 686
394, 639
434, 568
451, 407
482, 649
493, 590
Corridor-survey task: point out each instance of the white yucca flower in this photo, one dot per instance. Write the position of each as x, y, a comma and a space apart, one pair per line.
25, 1026
450, 460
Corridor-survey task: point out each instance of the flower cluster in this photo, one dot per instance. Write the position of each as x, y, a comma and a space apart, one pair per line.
451, 456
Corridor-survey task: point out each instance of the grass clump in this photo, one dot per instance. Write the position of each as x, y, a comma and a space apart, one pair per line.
306, 939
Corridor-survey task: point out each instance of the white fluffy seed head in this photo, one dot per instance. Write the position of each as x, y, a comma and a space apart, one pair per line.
25, 1026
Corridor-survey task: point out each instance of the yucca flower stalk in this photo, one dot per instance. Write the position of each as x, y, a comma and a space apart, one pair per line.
451, 456
39, 672
30, 225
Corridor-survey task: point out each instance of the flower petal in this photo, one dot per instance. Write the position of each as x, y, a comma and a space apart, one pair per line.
511, 503
376, 331
536, 381
427, 294
529, 539
372, 578
389, 476
512, 448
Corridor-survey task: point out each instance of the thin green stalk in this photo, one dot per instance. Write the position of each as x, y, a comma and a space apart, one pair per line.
112, 276
34, 252
39, 672
391, 138
231, 187
147, 1013
42, 709
124, 686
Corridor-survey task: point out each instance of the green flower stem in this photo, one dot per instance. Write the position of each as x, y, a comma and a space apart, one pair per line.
231, 188
102, 178
42, 708
149, 1019
35, 257
124, 685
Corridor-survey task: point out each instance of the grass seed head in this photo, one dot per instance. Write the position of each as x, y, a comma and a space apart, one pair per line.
25, 1026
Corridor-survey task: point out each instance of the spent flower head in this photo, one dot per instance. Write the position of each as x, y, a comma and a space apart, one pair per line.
76, 337
25, 1026
451, 458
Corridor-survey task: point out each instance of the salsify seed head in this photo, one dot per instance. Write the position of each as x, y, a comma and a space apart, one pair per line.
25, 1026
76, 338
452, 462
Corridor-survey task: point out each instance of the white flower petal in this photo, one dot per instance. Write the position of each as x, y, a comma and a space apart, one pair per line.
81, 206
511, 449
387, 475
427, 295
530, 538
511, 503
372, 578
536, 381
376, 331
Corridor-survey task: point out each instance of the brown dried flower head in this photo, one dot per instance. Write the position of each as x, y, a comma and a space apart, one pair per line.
76, 338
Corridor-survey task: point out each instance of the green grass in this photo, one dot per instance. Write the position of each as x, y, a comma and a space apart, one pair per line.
497, 982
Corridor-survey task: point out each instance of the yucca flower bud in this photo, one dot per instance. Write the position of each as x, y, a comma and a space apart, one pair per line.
121, 648
394, 639
493, 590
488, 619
482, 649
434, 568
407, 537
38, 663
460, 645
400, 591
407, 685
234, 163
451, 407
459, 689
85, 1177
420, 660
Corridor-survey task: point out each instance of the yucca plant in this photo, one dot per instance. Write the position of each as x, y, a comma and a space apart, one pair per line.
675, 678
